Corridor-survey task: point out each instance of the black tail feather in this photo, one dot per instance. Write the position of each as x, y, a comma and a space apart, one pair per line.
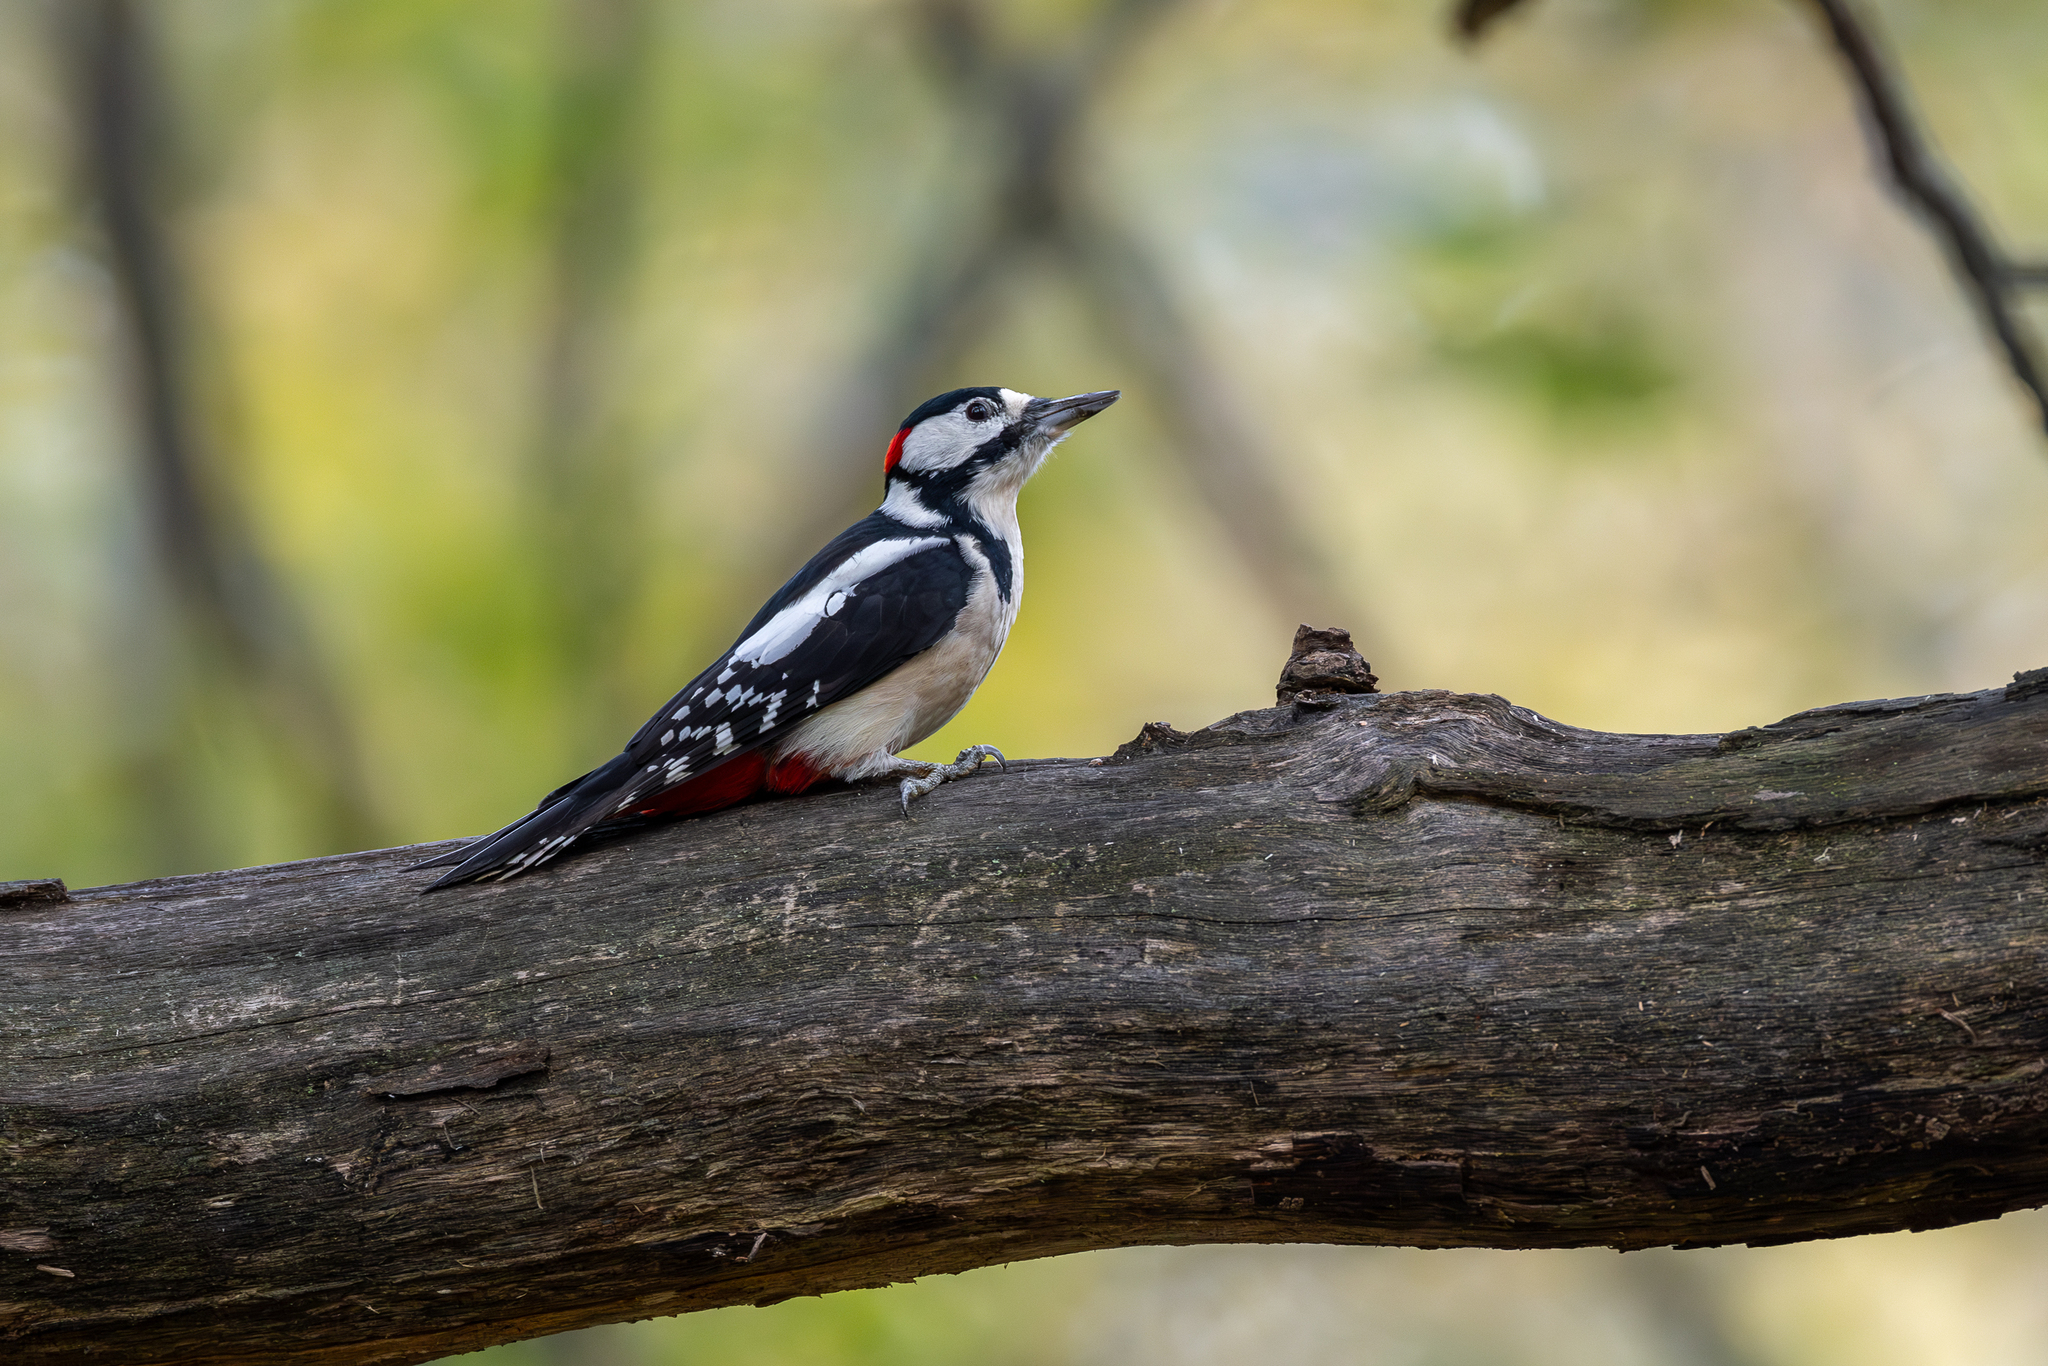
549, 830
455, 855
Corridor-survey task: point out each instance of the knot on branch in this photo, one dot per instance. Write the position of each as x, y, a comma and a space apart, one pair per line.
2026, 683
34, 892
1154, 738
1323, 666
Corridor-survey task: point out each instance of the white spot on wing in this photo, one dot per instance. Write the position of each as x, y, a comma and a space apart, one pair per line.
725, 741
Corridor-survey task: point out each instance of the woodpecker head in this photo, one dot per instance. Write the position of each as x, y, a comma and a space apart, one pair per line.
977, 443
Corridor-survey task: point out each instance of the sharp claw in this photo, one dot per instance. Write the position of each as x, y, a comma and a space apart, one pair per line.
934, 775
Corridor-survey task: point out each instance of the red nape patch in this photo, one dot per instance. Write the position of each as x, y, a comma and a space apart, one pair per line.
895, 452
732, 782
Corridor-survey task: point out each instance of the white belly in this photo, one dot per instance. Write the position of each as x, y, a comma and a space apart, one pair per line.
856, 737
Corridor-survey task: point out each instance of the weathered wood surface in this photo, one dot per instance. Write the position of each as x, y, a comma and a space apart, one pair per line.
1417, 968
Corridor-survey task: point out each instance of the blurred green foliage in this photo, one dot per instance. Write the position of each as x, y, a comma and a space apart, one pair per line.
1962, 1297
1572, 374
1441, 280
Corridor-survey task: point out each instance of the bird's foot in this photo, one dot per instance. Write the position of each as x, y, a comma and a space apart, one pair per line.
933, 775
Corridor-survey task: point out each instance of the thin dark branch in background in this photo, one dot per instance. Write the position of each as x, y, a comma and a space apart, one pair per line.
1984, 272
1134, 306
1474, 17
581, 478
1034, 212
947, 299
1980, 266
236, 611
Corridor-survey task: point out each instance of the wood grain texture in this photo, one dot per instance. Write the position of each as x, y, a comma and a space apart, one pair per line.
1410, 968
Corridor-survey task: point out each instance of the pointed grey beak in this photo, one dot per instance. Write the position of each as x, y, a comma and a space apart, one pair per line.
1055, 415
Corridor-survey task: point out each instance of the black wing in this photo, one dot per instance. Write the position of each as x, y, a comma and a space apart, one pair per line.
878, 595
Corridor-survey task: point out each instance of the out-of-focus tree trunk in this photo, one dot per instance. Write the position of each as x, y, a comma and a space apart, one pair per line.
1024, 117
586, 504
240, 633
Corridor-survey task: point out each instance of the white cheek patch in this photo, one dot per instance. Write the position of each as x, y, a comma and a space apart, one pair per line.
943, 442
940, 443
788, 628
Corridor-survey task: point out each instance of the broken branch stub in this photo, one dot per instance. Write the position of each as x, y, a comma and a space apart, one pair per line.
1418, 967
32, 891
1322, 665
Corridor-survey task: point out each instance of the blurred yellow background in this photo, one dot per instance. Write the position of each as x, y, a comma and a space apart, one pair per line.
525, 341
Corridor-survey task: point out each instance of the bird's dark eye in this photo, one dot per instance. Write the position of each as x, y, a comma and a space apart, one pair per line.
979, 411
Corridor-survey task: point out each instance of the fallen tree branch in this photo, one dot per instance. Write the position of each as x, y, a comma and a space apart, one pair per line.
1417, 968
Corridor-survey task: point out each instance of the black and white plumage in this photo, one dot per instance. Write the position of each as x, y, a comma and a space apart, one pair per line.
871, 647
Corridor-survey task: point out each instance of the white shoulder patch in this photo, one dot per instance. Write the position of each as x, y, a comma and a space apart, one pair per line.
905, 506
790, 627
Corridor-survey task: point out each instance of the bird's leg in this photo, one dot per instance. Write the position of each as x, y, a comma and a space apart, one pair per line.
930, 776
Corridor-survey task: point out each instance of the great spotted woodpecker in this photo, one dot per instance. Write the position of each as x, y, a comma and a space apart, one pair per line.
870, 648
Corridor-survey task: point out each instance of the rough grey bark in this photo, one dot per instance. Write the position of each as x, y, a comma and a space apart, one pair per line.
1412, 968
